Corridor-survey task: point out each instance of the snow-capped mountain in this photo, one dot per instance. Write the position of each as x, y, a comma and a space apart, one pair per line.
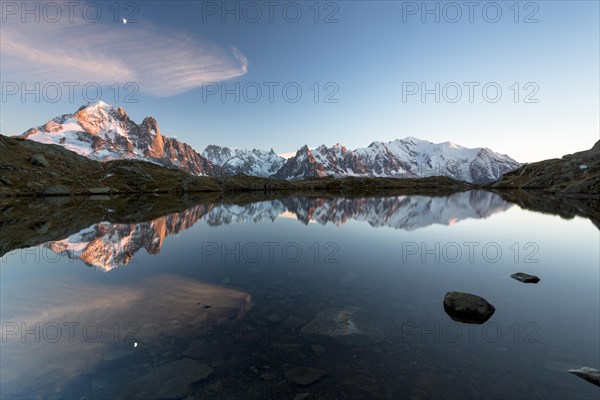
249, 162
103, 132
402, 158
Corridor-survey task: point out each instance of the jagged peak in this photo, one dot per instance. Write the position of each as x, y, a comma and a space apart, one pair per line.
99, 104
214, 147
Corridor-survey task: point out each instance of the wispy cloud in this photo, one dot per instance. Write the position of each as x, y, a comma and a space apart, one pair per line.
162, 62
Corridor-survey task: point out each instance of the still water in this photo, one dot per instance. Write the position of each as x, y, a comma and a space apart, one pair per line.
226, 300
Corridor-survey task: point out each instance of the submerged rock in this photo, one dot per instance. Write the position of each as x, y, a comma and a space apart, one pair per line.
273, 318
348, 279
467, 308
351, 326
294, 322
197, 349
589, 374
168, 381
318, 349
226, 281
304, 376
525, 278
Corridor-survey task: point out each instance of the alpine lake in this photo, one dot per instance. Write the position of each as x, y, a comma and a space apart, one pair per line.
297, 297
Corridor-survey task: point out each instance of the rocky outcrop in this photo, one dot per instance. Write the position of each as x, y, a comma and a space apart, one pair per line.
31, 168
576, 174
102, 132
589, 374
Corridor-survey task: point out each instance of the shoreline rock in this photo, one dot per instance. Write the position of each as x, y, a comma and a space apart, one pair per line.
589, 374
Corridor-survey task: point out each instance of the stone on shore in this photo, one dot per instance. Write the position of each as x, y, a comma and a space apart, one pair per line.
589, 374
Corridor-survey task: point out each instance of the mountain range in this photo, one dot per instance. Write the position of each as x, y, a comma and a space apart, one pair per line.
103, 132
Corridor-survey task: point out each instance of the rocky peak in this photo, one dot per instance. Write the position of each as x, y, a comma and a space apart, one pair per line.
103, 132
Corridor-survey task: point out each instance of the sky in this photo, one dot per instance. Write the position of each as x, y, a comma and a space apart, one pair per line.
521, 78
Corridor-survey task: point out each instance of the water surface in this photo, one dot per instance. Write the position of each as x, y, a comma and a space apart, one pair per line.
93, 313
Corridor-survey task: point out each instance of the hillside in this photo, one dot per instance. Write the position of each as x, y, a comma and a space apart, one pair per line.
576, 174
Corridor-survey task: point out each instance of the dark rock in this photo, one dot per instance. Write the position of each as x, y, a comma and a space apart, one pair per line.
42, 227
268, 376
273, 318
318, 349
56, 190
467, 308
525, 278
214, 388
39, 160
294, 322
589, 374
304, 376
100, 190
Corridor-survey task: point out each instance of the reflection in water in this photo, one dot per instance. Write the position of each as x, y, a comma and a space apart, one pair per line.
108, 245
74, 327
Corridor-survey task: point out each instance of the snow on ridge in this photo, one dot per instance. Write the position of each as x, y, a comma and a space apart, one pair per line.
104, 132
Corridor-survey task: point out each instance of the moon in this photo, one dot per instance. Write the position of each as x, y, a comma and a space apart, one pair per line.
124, 21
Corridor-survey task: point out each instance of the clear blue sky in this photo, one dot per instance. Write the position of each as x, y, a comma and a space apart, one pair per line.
372, 56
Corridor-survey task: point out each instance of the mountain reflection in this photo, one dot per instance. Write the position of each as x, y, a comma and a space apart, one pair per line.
107, 245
